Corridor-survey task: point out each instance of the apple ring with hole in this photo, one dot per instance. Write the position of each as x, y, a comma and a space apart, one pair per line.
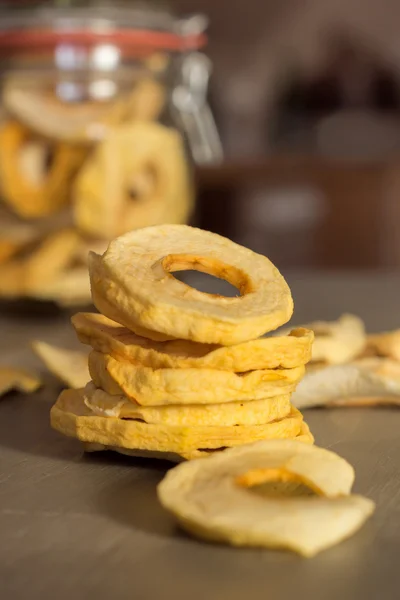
137, 177
109, 337
256, 412
159, 387
304, 436
73, 418
273, 493
132, 283
35, 175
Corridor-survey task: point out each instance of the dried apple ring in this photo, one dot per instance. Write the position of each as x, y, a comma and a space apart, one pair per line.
158, 387
71, 417
138, 176
303, 436
256, 412
109, 337
307, 508
28, 186
366, 382
132, 283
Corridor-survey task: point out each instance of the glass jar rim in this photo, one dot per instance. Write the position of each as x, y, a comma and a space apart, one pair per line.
129, 39
130, 28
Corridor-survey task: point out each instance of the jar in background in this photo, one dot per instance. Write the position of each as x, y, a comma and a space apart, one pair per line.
102, 110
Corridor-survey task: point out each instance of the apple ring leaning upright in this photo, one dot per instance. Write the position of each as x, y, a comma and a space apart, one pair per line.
132, 284
30, 188
137, 177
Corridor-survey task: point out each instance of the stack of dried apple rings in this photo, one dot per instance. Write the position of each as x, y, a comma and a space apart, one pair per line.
178, 372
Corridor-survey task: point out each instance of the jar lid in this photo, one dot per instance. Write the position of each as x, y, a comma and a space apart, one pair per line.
40, 26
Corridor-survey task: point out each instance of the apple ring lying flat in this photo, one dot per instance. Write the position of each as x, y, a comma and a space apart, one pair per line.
133, 285
159, 387
366, 382
256, 412
71, 417
304, 436
109, 337
213, 499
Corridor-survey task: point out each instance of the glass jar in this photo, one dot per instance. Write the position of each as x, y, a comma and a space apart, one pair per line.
103, 108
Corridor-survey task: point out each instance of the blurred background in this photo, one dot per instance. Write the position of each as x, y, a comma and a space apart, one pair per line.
306, 98
285, 121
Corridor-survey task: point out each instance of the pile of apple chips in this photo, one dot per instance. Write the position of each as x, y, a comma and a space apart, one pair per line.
178, 373
349, 367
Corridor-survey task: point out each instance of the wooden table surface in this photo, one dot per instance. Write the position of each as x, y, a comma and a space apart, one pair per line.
89, 527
